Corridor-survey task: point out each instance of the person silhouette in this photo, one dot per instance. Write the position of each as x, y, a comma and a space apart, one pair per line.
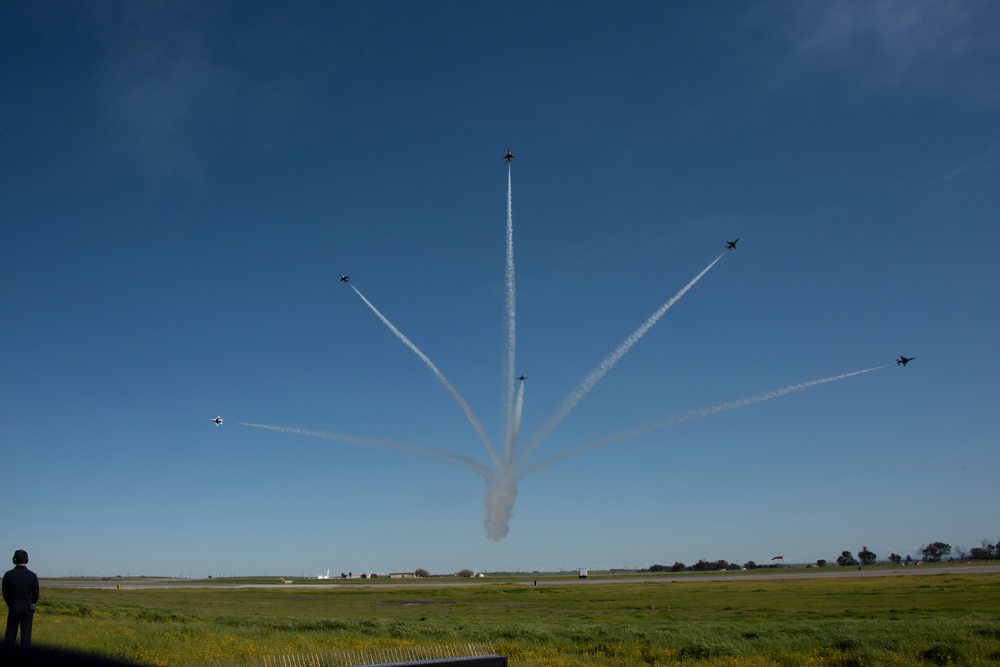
20, 592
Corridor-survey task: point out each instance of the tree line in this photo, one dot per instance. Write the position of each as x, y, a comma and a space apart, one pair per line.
932, 553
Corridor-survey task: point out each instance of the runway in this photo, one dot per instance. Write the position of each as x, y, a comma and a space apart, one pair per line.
547, 579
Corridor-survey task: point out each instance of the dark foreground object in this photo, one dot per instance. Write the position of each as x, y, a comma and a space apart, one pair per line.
462, 661
47, 657
43, 657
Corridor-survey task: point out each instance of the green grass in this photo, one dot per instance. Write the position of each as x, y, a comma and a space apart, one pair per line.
892, 620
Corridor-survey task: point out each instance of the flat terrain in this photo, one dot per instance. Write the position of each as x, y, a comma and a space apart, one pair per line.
844, 617
542, 579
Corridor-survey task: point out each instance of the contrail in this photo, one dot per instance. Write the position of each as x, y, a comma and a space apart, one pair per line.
697, 414
970, 164
510, 294
606, 365
510, 464
518, 411
365, 441
440, 376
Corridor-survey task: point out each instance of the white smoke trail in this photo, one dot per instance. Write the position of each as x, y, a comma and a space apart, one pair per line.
518, 410
365, 441
501, 494
501, 483
510, 294
440, 376
691, 416
606, 365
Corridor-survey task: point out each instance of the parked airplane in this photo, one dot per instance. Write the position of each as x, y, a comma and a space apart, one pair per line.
345, 279
902, 361
508, 157
731, 245
218, 421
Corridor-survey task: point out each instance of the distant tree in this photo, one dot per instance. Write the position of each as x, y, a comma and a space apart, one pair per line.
709, 566
895, 558
421, 572
866, 556
961, 552
733, 566
935, 550
750, 565
985, 551
908, 559
846, 558
658, 568
465, 573
821, 562
678, 567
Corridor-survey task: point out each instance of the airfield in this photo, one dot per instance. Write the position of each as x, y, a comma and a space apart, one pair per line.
541, 579
899, 616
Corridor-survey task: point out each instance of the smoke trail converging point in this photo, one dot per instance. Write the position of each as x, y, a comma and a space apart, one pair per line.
501, 493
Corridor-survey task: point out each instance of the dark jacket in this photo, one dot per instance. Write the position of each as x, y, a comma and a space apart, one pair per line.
20, 586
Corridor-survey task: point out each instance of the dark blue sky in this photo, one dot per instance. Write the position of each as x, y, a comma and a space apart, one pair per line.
182, 184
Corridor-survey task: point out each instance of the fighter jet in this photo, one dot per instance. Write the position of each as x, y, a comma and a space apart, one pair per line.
345, 279
508, 157
218, 421
522, 378
731, 245
902, 361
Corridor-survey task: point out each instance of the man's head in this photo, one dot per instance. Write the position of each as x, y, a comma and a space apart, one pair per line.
20, 557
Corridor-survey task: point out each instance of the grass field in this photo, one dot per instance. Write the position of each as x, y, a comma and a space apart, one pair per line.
892, 620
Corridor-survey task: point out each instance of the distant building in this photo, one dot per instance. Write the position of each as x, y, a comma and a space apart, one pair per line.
402, 575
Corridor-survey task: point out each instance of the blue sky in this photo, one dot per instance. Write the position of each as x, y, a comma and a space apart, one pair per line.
182, 185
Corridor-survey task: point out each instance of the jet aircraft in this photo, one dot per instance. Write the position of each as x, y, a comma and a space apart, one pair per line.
345, 279
902, 361
508, 157
522, 378
731, 245
218, 421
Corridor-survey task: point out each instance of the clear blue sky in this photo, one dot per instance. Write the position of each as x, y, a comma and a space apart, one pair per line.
181, 185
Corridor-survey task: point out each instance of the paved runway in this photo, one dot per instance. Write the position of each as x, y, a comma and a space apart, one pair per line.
140, 583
